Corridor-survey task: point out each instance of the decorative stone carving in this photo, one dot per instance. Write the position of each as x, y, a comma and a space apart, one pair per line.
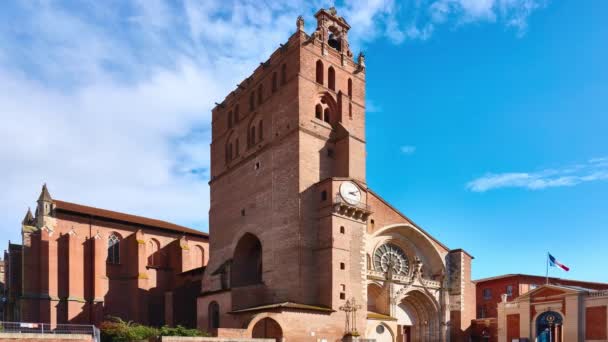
361, 61
300, 23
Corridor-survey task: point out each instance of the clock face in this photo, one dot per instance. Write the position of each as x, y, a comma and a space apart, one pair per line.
350, 192
391, 256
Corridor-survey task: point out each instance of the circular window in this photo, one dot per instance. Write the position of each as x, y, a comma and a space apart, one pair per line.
380, 329
390, 256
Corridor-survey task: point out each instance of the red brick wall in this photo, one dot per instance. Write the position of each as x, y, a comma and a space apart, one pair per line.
595, 323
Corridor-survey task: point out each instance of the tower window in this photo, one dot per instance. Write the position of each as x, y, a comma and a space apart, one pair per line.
283, 74
350, 87
350, 111
260, 94
256, 166
330, 153
252, 136
319, 112
326, 115
242, 212
319, 72
323, 195
342, 266
342, 295
261, 130
342, 230
274, 82
331, 78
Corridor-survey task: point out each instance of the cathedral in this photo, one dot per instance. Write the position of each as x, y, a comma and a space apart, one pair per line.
301, 248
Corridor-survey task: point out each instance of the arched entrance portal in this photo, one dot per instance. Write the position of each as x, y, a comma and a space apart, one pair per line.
549, 327
267, 328
417, 319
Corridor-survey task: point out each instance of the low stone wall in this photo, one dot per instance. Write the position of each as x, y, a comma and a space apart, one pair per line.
214, 339
12, 337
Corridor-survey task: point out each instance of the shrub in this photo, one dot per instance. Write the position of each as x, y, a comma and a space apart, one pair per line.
180, 331
114, 329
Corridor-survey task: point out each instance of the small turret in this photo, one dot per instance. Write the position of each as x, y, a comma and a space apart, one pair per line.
28, 220
45, 206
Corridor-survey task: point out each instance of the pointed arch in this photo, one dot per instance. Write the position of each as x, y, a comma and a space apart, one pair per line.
213, 313
319, 77
153, 252
247, 261
114, 248
331, 78
350, 87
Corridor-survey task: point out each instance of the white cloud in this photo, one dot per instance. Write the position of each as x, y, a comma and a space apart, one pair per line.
109, 102
594, 170
408, 149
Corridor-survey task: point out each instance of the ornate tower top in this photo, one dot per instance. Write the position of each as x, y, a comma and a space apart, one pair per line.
332, 30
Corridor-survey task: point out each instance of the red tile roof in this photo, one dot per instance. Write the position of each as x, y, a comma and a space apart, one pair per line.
116, 216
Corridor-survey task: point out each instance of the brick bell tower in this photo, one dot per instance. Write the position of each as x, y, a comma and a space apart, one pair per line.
287, 151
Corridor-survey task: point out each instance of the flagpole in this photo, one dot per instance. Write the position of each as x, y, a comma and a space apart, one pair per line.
547, 272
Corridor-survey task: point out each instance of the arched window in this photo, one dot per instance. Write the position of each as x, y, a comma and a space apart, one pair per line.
214, 315
283, 74
350, 87
229, 151
275, 83
252, 101
153, 250
331, 78
246, 266
236, 114
260, 94
252, 135
198, 257
319, 112
350, 110
326, 115
319, 72
113, 249
261, 130
230, 119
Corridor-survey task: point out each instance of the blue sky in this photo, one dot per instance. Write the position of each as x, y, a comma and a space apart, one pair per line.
487, 119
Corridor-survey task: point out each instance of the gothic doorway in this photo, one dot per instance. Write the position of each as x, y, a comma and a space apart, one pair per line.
267, 328
418, 317
549, 327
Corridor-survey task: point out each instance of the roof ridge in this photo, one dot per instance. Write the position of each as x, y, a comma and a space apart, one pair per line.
122, 216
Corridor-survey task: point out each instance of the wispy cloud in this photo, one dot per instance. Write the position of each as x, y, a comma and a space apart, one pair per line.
594, 170
114, 97
407, 149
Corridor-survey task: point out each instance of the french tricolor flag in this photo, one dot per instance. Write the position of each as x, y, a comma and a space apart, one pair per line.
553, 263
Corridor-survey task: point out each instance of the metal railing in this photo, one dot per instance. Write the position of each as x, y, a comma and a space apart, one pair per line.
46, 328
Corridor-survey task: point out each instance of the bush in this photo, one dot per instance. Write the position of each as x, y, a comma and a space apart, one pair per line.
180, 331
114, 329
